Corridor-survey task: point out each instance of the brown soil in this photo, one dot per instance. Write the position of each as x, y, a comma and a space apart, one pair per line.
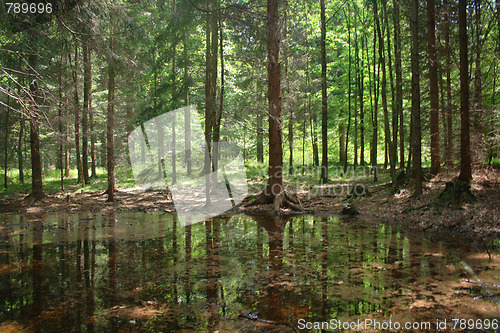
480, 218
131, 200
427, 213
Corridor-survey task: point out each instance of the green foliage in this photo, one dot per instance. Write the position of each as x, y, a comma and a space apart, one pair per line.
160, 51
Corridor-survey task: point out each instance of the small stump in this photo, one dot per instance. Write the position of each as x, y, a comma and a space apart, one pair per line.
349, 209
456, 193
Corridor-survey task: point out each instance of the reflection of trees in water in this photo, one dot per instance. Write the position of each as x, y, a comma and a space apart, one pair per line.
272, 307
213, 285
281, 268
324, 268
37, 273
5, 278
88, 277
174, 254
188, 250
112, 281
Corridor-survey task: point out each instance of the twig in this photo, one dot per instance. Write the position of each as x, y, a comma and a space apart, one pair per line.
483, 284
486, 247
478, 281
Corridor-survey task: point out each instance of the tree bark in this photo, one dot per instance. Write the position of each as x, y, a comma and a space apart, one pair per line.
376, 78
260, 138
465, 156
387, 130
498, 22
399, 81
87, 91
312, 119
342, 135
61, 121
36, 159
449, 122
324, 99
110, 133
434, 90
364, 44
211, 38
92, 142
415, 101
174, 99
76, 104
187, 113
394, 110
219, 111
477, 74
20, 159
6, 142
275, 184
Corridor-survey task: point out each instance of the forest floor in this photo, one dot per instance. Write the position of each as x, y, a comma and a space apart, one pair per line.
480, 218
427, 213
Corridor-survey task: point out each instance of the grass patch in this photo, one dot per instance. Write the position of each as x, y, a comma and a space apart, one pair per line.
52, 181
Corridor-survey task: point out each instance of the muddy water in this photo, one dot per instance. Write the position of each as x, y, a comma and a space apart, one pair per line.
136, 272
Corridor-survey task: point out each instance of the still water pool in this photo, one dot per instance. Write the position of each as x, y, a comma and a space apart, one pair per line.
138, 272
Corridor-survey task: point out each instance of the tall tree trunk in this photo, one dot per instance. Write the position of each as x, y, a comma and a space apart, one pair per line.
387, 130
260, 138
342, 134
20, 160
478, 101
349, 115
66, 138
187, 113
288, 104
6, 142
415, 101
394, 111
364, 44
61, 121
218, 117
304, 134
465, 156
110, 134
357, 75
211, 38
498, 22
87, 91
173, 147
76, 104
36, 159
376, 78
434, 90
159, 128
344, 146
312, 118
399, 81
275, 185
449, 122
358, 93
92, 142
324, 101
290, 141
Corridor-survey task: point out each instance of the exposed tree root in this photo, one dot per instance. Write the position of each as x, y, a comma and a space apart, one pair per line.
34, 197
281, 200
456, 193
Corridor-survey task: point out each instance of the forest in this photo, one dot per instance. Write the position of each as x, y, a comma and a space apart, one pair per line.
301, 113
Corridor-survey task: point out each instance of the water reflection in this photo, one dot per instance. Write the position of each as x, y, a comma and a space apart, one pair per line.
146, 272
